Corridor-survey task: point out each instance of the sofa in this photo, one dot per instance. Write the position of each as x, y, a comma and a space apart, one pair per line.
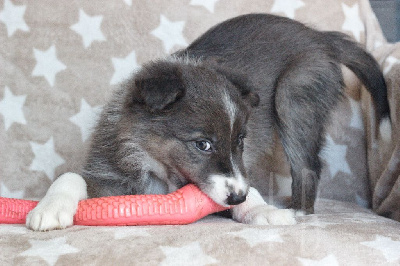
60, 62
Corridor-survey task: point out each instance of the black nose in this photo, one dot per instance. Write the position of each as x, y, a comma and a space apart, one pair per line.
235, 199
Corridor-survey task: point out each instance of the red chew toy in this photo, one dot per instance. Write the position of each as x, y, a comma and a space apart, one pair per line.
183, 206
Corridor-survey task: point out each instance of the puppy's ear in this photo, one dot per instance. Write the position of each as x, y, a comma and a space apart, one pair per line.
158, 86
244, 85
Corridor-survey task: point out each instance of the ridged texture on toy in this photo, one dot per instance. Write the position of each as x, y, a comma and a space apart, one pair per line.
14, 211
183, 206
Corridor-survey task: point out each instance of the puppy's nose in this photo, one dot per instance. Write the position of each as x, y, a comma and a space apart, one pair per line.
235, 199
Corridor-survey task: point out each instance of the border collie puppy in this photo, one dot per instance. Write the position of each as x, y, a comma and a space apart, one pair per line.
207, 115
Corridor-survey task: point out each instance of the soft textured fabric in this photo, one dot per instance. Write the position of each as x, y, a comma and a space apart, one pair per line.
60, 62
384, 157
340, 234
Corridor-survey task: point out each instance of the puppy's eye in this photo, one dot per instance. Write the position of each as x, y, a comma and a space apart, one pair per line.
204, 145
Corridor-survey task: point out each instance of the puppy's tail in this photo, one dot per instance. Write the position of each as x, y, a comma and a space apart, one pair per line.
367, 70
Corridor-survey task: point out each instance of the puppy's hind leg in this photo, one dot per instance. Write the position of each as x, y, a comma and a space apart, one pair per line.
304, 97
58, 207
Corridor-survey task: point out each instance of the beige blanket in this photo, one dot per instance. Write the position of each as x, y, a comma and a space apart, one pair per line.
59, 62
384, 158
341, 234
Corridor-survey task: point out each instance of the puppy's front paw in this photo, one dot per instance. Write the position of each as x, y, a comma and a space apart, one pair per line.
54, 212
264, 215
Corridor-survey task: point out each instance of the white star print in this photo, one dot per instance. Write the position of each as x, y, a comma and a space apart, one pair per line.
14, 229
123, 67
192, 253
128, 2
390, 61
356, 117
329, 260
255, 236
47, 64
13, 17
86, 119
208, 4
170, 33
11, 107
49, 250
287, 7
46, 159
389, 248
335, 156
352, 21
377, 44
89, 28
5, 192
316, 222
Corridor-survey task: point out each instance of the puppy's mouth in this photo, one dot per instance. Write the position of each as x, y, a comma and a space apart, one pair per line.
223, 190
226, 191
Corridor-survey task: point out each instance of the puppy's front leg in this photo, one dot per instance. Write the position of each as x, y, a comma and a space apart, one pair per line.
58, 207
256, 211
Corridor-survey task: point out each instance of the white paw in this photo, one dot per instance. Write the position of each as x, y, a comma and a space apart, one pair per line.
300, 213
52, 212
264, 215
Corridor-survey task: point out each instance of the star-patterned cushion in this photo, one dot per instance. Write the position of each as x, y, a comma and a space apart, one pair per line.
60, 62
60, 70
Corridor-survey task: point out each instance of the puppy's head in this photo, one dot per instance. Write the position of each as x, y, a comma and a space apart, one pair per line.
192, 121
